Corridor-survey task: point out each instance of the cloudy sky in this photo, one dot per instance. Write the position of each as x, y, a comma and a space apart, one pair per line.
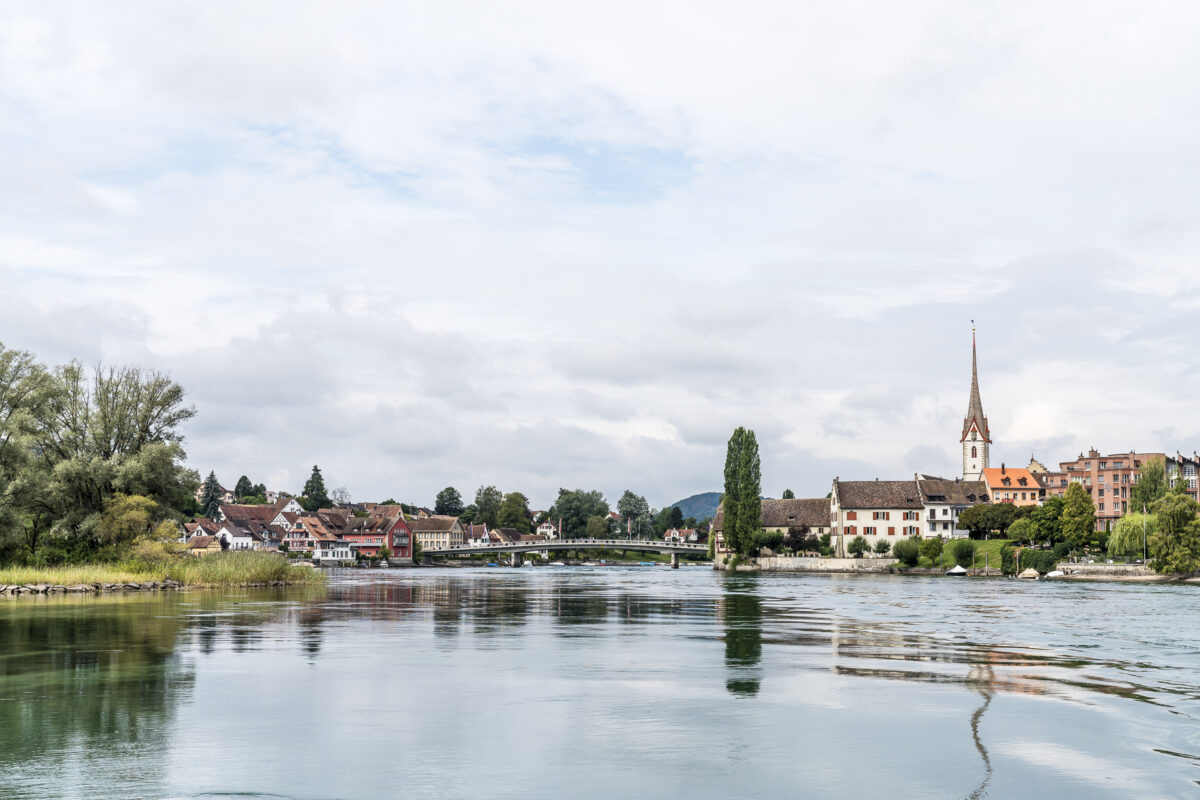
544, 245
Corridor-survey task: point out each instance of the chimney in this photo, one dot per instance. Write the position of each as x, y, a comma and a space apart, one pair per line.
1002, 470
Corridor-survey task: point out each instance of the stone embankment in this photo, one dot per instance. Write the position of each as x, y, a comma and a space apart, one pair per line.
97, 588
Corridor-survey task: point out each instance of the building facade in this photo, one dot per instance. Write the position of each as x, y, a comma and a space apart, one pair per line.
876, 510
1109, 479
943, 500
1015, 485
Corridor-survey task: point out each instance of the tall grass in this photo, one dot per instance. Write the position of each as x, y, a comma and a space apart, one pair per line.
218, 569
244, 566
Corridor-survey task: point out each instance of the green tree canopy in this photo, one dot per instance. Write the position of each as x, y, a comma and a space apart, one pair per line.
514, 513
1126, 539
742, 503
788, 494
1046, 521
1078, 517
858, 545
635, 515
210, 499
243, 488
314, 495
1151, 485
597, 528
487, 505
976, 520
449, 502
1175, 547
575, 508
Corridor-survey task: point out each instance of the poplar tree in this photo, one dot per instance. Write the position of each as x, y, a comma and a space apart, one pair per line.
1078, 516
742, 506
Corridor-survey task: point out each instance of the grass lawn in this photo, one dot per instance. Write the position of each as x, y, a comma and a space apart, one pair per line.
218, 569
989, 548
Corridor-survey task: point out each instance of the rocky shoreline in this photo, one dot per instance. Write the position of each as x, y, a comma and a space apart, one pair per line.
100, 588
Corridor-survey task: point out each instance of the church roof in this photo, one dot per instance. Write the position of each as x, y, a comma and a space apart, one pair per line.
975, 406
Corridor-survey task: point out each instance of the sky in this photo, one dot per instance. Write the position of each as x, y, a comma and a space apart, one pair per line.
546, 245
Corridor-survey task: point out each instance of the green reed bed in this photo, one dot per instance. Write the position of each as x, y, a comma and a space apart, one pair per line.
218, 569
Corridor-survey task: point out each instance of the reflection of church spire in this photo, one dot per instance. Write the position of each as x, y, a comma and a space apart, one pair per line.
975, 414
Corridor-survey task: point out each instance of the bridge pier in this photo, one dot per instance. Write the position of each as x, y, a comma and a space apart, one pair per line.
674, 560
426, 559
516, 559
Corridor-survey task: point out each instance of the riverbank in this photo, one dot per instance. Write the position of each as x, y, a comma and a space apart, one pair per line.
245, 568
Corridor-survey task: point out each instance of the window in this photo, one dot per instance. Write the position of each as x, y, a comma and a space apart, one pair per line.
882, 515
1100, 492
997, 495
1101, 507
851, 515
891, 530
869, 530
974, 452
1100, 479
945, 526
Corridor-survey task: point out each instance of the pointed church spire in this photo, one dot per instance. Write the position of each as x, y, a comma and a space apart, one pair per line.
975, 416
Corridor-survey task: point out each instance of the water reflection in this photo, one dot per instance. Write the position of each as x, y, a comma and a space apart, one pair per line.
97, 695
741, 614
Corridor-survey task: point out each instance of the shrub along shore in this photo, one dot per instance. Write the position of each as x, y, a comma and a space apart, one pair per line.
246, 568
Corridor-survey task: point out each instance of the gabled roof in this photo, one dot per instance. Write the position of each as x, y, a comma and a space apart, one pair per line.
955, 492
877, 494
434, 523
1010, 478
201, 542
793, 513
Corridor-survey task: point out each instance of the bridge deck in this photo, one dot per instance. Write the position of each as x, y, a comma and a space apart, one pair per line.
636, 545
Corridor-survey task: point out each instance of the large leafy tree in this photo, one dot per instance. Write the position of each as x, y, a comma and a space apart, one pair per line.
514, 513
742, 504
575, 507
1175, 547
487, 505
1131, 534
449, 502
976, 520
1078, 517
1046, 521
243, 488
635, 514
73, 438
315, 495
1151, 485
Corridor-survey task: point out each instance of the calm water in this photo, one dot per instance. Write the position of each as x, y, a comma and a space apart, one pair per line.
606, 682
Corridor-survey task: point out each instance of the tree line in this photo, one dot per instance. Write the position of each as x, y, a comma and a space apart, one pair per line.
91, 459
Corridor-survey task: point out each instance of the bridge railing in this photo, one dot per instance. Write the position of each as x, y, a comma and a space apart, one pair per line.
615, 544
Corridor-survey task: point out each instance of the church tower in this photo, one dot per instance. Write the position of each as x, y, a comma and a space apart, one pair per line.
975, 436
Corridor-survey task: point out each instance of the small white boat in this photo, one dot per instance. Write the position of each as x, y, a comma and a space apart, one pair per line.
1055, 573
956, 571
557, 564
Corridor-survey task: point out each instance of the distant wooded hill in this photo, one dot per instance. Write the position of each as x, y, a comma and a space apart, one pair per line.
701, 506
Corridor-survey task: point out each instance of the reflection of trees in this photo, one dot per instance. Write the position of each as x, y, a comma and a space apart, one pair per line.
741, 611
81, 678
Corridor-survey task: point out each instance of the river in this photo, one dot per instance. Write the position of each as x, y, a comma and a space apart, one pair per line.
605, 682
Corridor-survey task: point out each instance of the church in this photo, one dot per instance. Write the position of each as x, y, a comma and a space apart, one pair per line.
976, 439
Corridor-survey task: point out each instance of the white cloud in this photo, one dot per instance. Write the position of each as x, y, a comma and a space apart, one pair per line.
570, 245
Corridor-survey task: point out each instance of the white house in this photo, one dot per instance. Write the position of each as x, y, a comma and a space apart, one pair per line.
876, 510
548, 530
333, 551
942, 500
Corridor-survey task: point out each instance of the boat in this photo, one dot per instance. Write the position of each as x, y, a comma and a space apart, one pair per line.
1055, 573
527, 564
557, 564
956, 572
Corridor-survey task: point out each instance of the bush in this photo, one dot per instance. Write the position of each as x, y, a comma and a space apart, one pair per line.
963, 552
1008, 559
1042, 560
772, 540
908, 551
883, 547
932, 548
858, 545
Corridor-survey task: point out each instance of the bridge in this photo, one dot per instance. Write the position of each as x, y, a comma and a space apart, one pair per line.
673, 549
